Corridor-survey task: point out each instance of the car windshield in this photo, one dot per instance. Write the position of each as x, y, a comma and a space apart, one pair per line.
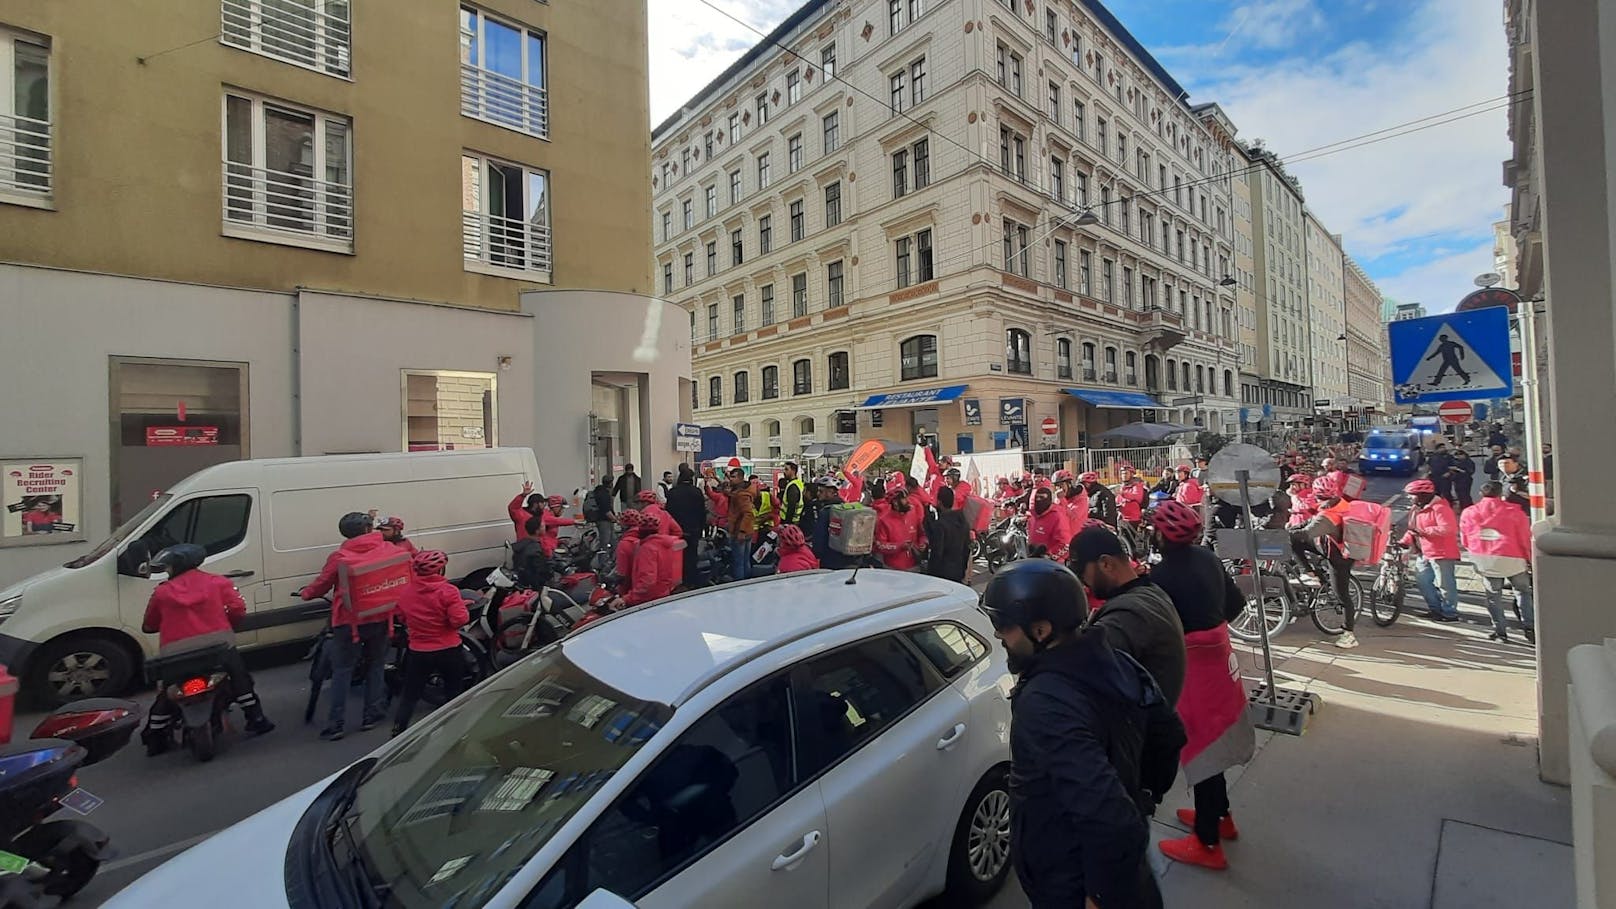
121, 534
1384, 442
447, 819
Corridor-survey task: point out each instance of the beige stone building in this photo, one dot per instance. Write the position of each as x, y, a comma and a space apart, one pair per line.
1283, 386
876, 221
1326, 317
1368, 355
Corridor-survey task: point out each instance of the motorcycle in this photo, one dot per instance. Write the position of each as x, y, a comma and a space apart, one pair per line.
196, 684
1005, 541
42, 858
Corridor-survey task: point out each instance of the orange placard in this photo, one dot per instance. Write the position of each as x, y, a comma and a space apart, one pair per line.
864, 455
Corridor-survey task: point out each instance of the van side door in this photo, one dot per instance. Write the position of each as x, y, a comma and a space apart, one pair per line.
222, 522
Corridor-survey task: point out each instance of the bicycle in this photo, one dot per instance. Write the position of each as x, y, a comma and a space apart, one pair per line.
1388, 590
1281, 604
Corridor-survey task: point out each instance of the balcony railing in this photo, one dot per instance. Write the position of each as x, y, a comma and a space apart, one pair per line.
25, 155
301, 32
505, 242
283, 202
498, 98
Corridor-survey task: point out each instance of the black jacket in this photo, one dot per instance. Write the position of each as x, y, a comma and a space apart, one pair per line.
627, 487
1139, 620
599, 506
688, 506
1077, 756
948, 545
528, 561
1102, 505
1203, 593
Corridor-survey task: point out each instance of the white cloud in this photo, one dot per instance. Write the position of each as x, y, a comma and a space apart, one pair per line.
1440, 283
1271, 23
691, 43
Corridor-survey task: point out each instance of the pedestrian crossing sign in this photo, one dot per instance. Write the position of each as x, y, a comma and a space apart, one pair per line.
1461, 356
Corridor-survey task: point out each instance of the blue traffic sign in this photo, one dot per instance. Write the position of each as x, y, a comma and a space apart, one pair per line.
1461, 356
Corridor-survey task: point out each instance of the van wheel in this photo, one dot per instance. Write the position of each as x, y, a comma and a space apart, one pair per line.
82, 666
979, 858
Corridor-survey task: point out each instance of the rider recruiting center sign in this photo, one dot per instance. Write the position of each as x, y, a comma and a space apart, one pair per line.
41, 501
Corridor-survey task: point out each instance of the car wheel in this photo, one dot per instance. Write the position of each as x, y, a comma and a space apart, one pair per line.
979, 858
82, 666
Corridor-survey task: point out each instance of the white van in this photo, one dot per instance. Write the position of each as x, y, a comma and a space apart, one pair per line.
268, 525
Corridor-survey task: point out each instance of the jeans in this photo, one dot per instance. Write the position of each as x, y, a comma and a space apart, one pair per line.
740, 556
1445, 603
345, 652
1523, 595
603, 529
418, 667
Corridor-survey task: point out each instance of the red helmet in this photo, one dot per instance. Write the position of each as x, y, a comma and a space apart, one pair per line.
1089, 477
893, 490
394, 524
646, 497
1420, 486
1061, 476
1004, 481
1177, 522
1301, 478
1092, 523
630, 519
429, 562
791, 537
556, 501
1327, 487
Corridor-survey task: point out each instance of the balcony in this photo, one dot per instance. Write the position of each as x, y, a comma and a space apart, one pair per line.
279, 206
313, 34
1159, 330
504, 101
25, 156
507, 247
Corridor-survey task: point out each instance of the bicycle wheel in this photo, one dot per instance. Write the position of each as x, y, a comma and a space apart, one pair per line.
1326, 612
1387, 593
1276, 610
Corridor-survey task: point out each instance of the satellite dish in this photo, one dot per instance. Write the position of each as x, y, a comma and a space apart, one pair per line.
1223, 474
1489, 279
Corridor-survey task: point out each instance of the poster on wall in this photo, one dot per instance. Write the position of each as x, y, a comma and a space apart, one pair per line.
39, 501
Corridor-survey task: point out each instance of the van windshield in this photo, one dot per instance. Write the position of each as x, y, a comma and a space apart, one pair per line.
121, 534
1386, 442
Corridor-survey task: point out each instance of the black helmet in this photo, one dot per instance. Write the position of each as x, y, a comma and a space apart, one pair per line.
355, 523
178, 559
1026, 591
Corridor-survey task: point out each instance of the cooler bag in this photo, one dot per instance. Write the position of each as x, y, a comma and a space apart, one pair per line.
852, 529
372, 590
1366, 531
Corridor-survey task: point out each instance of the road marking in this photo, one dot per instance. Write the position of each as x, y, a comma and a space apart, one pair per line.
159, 852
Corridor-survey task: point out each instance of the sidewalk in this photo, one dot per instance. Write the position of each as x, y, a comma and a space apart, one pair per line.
1415, 784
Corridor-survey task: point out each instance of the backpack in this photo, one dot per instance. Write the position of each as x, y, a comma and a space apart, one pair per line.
1365, 531
371, 590
591, 507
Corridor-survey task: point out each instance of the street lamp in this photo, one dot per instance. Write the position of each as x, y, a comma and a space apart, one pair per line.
1228, 281
1086, 218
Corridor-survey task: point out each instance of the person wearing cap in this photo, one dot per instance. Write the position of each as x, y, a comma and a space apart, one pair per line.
1323, 535
664, 521
1072, 498
1138, 617
1189, 490
551, 522
392, 530
1130, 496
525, 505
830, 495
1303, 505
1093, 746
1434, 528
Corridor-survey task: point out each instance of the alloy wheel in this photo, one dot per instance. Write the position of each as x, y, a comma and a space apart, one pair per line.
988, 843
80, 674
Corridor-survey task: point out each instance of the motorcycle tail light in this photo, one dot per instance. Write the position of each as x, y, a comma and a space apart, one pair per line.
192, 687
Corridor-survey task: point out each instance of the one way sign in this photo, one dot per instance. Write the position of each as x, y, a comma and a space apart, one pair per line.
1460, 356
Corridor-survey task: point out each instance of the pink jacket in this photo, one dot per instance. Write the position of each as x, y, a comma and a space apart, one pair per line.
1190, 492
1438, 530
1050, 530
1497, 528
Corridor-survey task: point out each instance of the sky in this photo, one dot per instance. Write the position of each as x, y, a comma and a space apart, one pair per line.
1416, 210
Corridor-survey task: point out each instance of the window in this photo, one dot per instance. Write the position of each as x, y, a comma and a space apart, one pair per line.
707, 145
1107, 280
443, 410
1054, 101
1063, 358
1088, 361
795, 220
1186, 368
1080, 115
1200, 379
712, 321
833, 284
922, 153
900, 173
917, 81
766, 304
827, 61
1012, 153
315, 33
853, 695
1016, 251
1100, 135
738, 313
765, 234
794, 153
802, 378
841, 376
712, 200
1057, 179
898, 90
763, 170
1084, 272
667, 226
1060, 264
287, 175
833, 204
1015, 74
1130, 361
832, 131
1122, 147
923, 261
904, 274
1105, 205
1228, 383
684, 161
799, 295
690, 269
1018, 352
216, 523
25, 117
919, 357
762, 116
501, 65
793, 87
902, 12
735, 247
950, 648
667, 278
742, 393
688, 209
712, 259
771, 382
1110, 364
1127, 287
715, 392
735, 129
1081, 188
1051, 25
734, 186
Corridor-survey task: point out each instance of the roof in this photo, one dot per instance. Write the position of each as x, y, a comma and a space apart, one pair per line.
1126, 39
658, 653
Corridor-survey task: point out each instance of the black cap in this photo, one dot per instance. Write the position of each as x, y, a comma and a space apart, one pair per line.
1090, 545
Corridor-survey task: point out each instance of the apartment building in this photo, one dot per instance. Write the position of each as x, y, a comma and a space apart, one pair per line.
1326, 315
311, 233
1523, 172
1279, 230
1368, 352
949, 218
1504, 251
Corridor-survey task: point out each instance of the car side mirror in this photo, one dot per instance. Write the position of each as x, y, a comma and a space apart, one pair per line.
605, 899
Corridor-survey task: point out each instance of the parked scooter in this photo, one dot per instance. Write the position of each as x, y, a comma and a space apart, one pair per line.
1005, 541
196, 685
44, 861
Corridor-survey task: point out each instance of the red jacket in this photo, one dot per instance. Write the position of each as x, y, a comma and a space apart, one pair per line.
519, 515
720, 503
623, 563
406, 545
1077, 509
1131, 501
549, 534
193, 604
1494, 527
1438, 530
665, 522
800, 559
658, 568
1190, 492
433, 612
896, 532
853, 489
358, 551
1050, 530
962, 491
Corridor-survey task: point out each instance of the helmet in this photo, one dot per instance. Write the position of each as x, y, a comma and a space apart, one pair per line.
646, 497
1061, 476
1092, 523
1030, 590
828, 483
1184, 468
1177, 522
628, 518
395, 524
355, 523
893, 490
791, 537
952, 472
1004, 481
178, 559
429, 562
1327, 487
1301, 478
556, 501
1420, 486
1089, 476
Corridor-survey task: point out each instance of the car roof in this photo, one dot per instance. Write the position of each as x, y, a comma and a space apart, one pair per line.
666, 651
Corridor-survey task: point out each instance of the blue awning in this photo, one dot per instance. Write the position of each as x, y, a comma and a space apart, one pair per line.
1119, 399
920, 397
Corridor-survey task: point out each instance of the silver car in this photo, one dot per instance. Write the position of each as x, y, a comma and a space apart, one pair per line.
796, 742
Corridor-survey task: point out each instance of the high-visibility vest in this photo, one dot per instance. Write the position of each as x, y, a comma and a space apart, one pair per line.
787, 514
763, 511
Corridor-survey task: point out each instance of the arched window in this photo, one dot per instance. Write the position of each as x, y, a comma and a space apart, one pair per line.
1228, 383
1018, 352
743, 431
802, 377
771, 382
805, 427
919, 357
1200, 378
1172, 376
1152, 372
1130, 368
715, 391
1186, 368
841, 372
1063, 358
742, 391
1110, 364
771, 429
1088, 361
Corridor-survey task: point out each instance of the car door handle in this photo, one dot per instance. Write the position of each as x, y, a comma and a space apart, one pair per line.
785, 861
947, 741
239, 573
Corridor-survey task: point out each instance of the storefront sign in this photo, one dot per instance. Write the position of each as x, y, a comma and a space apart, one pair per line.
973, 411
1012, 411
180, 436
40, 500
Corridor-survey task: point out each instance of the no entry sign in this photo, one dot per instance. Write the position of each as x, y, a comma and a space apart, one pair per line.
1049, 426
1455, 412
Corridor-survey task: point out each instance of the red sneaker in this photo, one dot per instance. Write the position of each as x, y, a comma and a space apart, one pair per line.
1226, 828
1191, 851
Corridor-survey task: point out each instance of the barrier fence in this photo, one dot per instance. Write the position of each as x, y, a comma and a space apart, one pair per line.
1151, 461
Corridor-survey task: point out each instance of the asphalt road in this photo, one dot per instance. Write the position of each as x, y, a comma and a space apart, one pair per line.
157, 807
